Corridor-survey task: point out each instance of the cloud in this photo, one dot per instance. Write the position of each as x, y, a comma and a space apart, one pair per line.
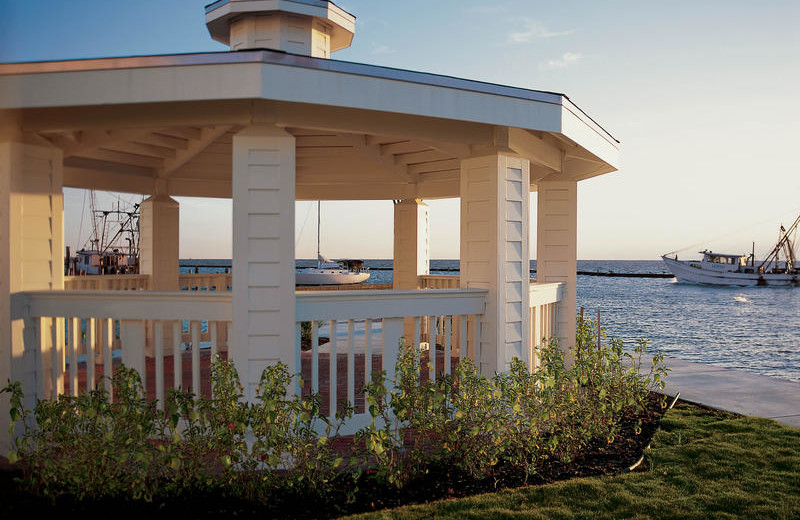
567, 59
381, 49
534, 31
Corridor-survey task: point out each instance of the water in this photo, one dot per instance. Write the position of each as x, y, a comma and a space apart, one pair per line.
751, 328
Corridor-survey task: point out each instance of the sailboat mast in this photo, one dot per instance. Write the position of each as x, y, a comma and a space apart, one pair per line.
319, 262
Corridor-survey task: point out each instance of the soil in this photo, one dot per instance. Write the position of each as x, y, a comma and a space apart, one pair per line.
600, 458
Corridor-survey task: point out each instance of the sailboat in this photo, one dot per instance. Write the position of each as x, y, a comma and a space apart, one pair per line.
740, 269
329, 272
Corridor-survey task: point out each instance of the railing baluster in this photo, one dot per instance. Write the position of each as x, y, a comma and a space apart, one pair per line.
447, 361
298, 358
462, 339
177, 355
417, 350
195, 329
367, 351
432, 347
332, 372
314, 358
57, 356
107, 341
478, 349
74, 339
158, 352
91, 344
212, 335
351, 364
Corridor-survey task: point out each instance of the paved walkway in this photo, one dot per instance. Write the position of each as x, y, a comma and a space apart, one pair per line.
735, 390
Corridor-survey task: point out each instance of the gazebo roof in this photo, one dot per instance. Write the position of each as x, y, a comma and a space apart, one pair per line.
127, 123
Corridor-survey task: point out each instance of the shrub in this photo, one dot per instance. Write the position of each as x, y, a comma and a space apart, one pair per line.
281, 444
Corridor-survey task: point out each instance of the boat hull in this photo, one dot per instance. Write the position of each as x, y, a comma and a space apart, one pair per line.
329, 277
685, 272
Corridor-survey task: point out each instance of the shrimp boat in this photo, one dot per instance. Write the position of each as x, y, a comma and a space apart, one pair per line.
327, 272
780, 268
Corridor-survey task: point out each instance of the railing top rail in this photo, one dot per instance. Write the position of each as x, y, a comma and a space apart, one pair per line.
217, 306
131, 305
389, 303
543, 293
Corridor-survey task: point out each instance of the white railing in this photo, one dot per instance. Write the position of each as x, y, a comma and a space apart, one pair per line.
150, 331
544, 298
438, 281
108, 282
141, 282
163, 333
365, 330
205, 281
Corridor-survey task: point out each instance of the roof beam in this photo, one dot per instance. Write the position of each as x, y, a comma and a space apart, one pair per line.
535, 149
206, 137
386, 162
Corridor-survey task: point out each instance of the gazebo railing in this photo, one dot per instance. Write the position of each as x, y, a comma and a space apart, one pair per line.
141, 282
365, 330
544, 298
170, 338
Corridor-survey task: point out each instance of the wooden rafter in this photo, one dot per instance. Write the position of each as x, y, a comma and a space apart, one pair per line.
387, 162
206, 136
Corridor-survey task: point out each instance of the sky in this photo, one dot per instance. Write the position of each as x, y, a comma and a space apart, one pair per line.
702, 94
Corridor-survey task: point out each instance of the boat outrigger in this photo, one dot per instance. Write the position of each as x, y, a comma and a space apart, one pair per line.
741, 269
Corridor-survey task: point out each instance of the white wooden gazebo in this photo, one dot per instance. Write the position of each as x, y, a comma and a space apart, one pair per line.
268, 123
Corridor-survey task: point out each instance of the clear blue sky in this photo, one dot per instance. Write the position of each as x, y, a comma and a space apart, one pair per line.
703, 96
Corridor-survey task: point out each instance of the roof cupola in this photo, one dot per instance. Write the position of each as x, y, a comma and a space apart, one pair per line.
307, 27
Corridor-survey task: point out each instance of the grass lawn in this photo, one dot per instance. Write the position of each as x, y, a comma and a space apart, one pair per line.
702, 464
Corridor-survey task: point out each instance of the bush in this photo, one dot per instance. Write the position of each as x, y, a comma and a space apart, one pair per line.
280, 445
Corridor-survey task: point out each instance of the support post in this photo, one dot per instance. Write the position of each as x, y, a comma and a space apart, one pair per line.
31, 255
411, 251
557, 252
263, 252
495, 229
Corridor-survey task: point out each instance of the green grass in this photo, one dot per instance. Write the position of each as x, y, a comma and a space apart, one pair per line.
702, 464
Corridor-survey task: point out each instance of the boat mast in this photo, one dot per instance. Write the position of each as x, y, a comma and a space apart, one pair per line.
319, 262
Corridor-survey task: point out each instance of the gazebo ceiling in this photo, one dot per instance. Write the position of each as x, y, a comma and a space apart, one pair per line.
195, 160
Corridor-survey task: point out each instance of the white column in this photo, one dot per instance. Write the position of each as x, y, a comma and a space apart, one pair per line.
494, 253
263, 252
411, 243
31, 253
557, 250
159, 237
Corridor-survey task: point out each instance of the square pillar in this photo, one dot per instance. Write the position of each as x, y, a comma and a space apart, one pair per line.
495, 214
159, 239
31, 253
411, 243
557, 250
263, 252
411, 257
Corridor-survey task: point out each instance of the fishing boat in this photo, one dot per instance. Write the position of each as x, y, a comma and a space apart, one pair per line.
113, 245
779, 268
327, 272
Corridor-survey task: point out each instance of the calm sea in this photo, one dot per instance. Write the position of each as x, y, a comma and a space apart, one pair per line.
755, 329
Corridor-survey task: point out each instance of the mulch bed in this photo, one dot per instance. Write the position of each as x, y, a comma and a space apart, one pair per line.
600, 458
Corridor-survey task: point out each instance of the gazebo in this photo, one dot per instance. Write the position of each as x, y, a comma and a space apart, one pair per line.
272, 121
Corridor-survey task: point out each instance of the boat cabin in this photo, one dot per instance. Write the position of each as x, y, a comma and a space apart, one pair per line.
723, 261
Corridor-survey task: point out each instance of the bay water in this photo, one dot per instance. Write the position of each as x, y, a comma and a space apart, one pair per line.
755, 329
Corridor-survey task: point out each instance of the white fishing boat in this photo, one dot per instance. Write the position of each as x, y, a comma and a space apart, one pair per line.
742, 269
327, 272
